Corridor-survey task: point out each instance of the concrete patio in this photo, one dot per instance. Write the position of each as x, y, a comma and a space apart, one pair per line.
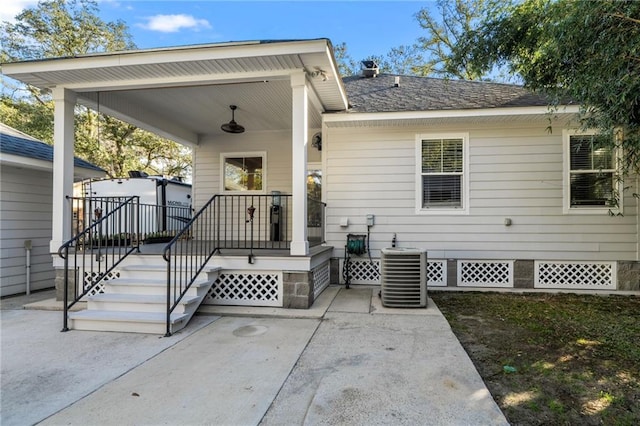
348, 360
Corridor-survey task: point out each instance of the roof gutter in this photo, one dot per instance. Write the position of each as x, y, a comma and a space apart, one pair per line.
454, 113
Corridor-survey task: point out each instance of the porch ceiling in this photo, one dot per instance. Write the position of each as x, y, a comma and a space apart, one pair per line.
184, 93
262, 106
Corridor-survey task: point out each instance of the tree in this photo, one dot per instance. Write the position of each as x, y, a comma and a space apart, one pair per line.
346, 65
60, 28
32, 118
443, 30
444, 23
66, 28
581, 51
403, 59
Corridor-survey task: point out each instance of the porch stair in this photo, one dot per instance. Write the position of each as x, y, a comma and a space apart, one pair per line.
136, 302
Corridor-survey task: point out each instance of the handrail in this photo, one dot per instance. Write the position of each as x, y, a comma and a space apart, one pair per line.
192, 256
155, 220
239, 221
104, 252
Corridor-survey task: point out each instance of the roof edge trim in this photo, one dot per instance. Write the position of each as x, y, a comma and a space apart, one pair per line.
171, 54
456, 113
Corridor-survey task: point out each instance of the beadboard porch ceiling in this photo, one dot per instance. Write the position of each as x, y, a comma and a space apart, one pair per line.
184, 93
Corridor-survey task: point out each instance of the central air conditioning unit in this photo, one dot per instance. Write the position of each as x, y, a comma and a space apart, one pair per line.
403, 278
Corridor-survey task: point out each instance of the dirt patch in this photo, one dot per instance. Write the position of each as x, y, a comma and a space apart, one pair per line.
553, 359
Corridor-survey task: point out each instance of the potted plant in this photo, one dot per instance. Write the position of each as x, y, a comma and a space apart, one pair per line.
115, 240
159, 237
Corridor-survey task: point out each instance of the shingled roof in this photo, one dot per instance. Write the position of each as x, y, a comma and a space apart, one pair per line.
14, 142
379, 94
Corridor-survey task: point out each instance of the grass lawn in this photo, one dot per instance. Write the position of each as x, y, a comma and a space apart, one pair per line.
553, 358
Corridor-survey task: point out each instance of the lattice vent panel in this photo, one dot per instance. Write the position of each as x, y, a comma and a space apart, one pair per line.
575, 275
361, 271
247, 289
437, 273
321, 278
485, 273
88, 277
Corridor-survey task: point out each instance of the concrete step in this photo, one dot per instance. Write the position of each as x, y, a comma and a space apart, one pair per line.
129, 322
151, 286
139, 303
148, 271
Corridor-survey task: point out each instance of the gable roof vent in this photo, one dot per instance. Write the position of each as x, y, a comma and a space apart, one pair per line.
370, 69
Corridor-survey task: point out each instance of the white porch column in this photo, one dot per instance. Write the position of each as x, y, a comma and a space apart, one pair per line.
299, 136
63, 141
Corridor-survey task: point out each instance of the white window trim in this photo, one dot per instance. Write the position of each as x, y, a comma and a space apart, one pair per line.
225, 155
566, 179
465, 175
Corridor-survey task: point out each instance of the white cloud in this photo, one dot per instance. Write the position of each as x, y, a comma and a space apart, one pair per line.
10, 9
174, 23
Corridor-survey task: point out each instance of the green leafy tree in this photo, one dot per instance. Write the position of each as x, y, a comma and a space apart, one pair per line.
346, 64
581, 51
60, 28
443, 22
67, 28
405, 59
119, 147
444, 25
32, 118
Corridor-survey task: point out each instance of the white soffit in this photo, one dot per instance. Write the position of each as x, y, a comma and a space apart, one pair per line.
184, 93
193, 65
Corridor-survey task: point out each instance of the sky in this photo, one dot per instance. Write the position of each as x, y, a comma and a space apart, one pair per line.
367, 27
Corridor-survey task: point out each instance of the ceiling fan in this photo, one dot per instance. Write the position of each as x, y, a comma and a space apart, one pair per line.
232, 126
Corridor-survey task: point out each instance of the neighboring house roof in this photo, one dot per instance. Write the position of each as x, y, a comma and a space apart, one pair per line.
379, 94
14, 142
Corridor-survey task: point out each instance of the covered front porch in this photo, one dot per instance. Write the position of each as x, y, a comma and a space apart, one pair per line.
252, 214
280, 89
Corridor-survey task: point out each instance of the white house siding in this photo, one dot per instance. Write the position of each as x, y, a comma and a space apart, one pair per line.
277, 145
25, 206
515, 173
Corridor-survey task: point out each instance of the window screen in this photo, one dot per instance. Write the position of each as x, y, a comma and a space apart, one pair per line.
442, 173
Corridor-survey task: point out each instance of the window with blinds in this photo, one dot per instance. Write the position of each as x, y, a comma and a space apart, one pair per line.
442, 172
591, 171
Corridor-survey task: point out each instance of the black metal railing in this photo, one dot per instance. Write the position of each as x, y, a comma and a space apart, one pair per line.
107, 229
99, 248
232, 222
153, 224
253, 221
